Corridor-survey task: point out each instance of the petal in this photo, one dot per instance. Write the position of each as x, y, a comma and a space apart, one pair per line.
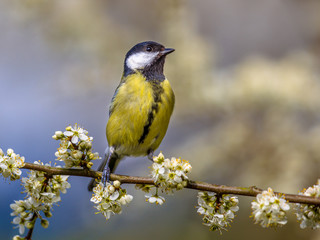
16, 171
201, 210
285, 206
16, 220
257, 215
68, 133
128, 198
160, 201
161, 170
152, 199
3, 166
74, 139
114, 196
83, 137
148, 195
21, 229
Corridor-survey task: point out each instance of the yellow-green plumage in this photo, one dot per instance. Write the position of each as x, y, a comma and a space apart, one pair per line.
130, 112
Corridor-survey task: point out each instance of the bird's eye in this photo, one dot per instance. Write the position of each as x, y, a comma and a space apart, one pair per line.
149, 49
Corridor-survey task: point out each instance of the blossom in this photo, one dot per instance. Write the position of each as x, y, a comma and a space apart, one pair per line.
218, 210
17, 237
76, 133
10, 164
110, 198
42, 193
170, 174
21, 222
309, 215
269, 209
125, 199
155, 198
46, 190
75, 147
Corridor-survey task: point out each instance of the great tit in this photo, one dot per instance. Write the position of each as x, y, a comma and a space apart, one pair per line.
140, 109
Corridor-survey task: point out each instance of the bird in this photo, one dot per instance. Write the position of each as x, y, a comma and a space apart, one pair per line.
140, 109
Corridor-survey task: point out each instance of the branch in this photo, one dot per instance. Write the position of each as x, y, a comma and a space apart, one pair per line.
197, 185
29, 235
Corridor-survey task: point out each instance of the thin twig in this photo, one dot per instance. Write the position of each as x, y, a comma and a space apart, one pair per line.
29, 235
197, 185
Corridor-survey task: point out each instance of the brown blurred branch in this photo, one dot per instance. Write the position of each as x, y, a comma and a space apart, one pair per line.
197, 185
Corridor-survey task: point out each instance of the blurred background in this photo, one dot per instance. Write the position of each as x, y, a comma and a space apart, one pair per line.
247, 83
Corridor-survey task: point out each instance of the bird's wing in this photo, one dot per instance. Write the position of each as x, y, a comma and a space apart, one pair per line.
112, 105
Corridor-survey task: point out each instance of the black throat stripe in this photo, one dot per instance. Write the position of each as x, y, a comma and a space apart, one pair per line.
157, 92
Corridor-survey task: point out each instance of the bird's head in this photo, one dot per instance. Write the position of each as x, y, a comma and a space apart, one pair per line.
146, 56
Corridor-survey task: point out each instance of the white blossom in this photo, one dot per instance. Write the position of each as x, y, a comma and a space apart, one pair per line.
155, 198
309, 215
75, 147
109, 199
10, 164
76, 133
218, 210
170, 174
125, 199
42, 192
269, 209
17, 237
21, 224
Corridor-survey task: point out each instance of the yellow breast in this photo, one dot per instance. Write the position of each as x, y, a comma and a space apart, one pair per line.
140, 114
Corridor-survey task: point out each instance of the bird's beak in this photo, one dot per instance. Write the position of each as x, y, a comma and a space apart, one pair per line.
166, 51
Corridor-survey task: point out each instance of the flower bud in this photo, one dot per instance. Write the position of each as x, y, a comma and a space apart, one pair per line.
24, 214
20, 210
17, 237
1, 153
59, 134
111, 189
179, 186
88, 145
184, 183
76, 154
48, 214
89, 164
116, 184
44, 223
82, 145
310, 214
29, 224
91, 156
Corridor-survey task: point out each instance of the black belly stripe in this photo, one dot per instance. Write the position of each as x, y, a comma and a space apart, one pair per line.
157, 91
146, 128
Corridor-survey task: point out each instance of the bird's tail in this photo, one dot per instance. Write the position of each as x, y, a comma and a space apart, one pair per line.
114, 160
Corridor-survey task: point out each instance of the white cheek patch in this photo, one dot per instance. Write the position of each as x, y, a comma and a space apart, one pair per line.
141, 60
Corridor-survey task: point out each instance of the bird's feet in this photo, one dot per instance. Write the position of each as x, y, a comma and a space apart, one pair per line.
150, 156
105, 175
106, 171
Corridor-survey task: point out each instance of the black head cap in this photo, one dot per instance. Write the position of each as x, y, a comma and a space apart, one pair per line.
147, 57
